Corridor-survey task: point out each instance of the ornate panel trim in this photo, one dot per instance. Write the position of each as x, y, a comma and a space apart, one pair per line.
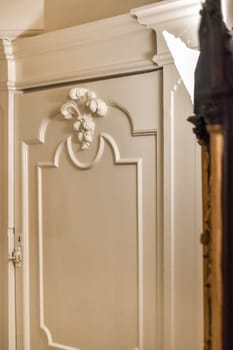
82, 98
43, 326
104, 138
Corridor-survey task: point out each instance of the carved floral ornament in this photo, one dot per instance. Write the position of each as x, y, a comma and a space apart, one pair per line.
83, 106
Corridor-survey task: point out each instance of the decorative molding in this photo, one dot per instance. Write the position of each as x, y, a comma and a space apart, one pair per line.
84, 97
7, 216
43, 325
82, 52
179, 17
105, 48
26, 261
31, 60
171, 249
108, 139
181, 190
83, 107
103, 108
75, 160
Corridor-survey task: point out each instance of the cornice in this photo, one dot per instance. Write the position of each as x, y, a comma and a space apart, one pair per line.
111, 46
179, 17
107, 47
88, 33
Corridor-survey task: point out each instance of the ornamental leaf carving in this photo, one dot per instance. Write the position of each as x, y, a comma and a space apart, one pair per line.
82, 108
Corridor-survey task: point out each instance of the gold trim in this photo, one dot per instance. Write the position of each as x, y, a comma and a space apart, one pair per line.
216, 154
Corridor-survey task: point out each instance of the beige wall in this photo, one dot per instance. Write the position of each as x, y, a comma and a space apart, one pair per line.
35, 16
16, 17
65, 13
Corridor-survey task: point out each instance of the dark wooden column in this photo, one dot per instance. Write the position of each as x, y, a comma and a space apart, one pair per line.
213, 120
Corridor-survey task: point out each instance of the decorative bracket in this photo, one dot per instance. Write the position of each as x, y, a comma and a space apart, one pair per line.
179, 17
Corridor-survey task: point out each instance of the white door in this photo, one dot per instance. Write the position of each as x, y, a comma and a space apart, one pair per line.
88, 215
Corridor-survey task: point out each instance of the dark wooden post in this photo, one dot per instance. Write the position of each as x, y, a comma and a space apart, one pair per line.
213, 120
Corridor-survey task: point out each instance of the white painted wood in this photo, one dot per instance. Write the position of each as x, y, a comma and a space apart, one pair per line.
113, 46
111, 209
182, 221
21, 17
11, 223
179, 17
7, 233
3, 223
182, 203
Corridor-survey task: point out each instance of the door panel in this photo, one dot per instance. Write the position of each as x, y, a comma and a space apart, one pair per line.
89, 219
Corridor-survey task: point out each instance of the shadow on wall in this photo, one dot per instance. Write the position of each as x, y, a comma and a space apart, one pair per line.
66, 13
23, 17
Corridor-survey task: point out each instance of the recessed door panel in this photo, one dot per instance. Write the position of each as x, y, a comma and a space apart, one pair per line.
87, 194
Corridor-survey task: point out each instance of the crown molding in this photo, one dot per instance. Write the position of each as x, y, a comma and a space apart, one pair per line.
107, 47
179, 17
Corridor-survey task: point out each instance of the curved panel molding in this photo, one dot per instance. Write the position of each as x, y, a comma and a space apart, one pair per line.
109, 140
83, 107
